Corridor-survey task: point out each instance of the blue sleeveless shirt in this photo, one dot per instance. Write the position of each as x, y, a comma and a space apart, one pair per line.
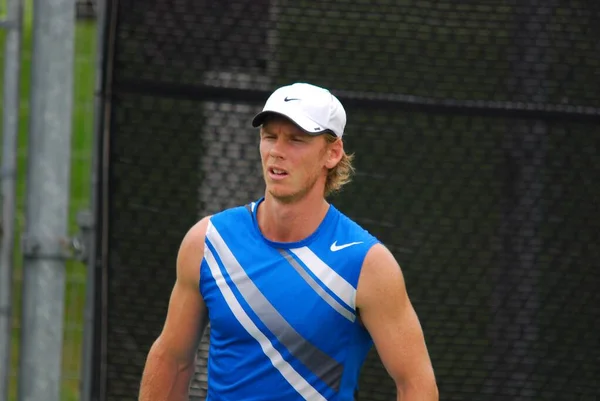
283, 319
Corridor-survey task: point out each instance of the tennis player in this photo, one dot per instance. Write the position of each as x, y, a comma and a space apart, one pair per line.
296, 292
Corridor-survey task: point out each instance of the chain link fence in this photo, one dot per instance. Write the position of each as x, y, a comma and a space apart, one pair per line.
476, 129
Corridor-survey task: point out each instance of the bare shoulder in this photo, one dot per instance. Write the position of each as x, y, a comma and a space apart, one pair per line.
380, 276
187, 314
191, 252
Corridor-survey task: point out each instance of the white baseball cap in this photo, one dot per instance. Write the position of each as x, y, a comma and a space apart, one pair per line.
312, 108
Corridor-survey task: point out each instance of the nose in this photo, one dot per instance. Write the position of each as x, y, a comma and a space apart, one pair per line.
276, 150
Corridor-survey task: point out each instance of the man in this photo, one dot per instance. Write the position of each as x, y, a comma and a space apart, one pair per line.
295, 291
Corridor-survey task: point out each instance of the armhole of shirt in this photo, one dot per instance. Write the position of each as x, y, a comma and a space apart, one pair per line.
202, 262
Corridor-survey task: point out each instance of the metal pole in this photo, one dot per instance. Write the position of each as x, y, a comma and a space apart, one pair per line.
48, 176
10, 133
87, 352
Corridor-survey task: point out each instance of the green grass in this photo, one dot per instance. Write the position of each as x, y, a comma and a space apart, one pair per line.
81, 155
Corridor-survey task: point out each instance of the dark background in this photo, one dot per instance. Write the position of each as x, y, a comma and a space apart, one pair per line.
476, 128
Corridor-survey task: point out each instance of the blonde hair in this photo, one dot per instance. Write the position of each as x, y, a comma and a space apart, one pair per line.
341, 174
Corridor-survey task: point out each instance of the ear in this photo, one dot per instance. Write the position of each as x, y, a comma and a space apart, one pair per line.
335, 151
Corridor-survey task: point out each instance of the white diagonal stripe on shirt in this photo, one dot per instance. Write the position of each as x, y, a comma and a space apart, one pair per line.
318, 288
329, 277
287, 371
318, 362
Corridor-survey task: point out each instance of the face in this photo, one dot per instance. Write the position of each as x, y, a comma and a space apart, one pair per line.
295, 163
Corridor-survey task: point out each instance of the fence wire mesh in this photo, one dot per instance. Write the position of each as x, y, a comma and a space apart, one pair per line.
476, 131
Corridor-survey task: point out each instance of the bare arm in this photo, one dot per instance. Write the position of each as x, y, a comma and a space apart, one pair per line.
170, 363
388, 315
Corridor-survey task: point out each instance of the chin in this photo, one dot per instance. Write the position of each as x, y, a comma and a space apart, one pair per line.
285, 193
281, 196
285, 196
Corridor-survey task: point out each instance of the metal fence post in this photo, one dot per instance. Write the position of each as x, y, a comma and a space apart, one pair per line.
87, 351
10, 133
48, 175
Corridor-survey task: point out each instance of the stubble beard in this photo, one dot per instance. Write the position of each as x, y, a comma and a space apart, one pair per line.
289, 198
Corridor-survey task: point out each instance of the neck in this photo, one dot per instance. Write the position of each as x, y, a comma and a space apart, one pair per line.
291, 222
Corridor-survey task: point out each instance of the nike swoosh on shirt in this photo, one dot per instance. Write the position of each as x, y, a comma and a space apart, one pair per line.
335, 247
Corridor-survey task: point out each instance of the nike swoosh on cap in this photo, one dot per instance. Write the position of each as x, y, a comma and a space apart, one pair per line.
335, 247
287, 99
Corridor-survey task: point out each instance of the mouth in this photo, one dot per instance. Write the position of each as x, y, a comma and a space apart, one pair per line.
277, 173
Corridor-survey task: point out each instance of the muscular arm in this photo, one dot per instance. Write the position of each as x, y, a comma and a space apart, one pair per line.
388, 315
170, 362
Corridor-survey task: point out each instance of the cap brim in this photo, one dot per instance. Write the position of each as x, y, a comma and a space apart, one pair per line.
306, 124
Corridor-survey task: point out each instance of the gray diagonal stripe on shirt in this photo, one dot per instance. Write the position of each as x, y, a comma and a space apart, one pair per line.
317, 288
318, 362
